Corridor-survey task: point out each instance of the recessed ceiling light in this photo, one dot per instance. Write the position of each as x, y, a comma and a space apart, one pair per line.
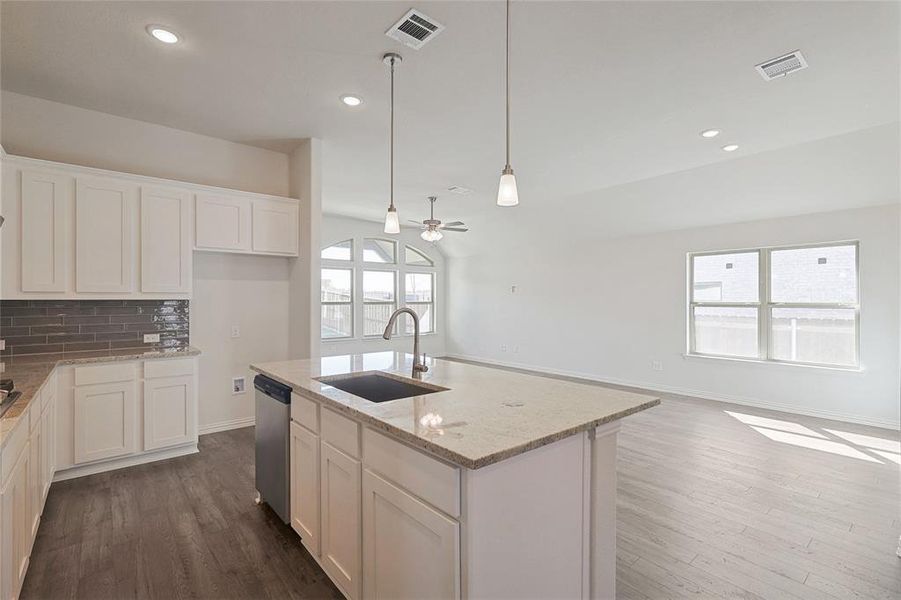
351, 100
730, 147
710, 133
162, 34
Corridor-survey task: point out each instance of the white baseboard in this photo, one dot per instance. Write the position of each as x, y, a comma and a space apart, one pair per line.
727, 398
226, 425
121, 463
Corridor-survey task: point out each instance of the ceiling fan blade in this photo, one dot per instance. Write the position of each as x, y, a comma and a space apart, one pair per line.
454, 224
417, 222
454, 229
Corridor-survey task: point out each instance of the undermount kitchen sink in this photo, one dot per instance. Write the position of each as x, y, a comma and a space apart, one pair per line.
377, 387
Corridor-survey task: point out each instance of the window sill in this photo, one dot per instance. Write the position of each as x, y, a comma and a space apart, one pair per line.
372, 338
776, 363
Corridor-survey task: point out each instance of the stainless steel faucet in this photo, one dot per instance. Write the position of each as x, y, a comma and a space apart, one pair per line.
419, 366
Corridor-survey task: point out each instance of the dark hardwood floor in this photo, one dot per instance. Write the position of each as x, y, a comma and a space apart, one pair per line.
710, 505
181, 528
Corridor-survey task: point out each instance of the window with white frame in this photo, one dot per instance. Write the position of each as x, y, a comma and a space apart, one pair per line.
419, 294
793, 304
364, 280
337, 303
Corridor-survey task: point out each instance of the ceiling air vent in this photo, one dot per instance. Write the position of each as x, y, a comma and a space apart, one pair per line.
415, 29
782, 66
459, 189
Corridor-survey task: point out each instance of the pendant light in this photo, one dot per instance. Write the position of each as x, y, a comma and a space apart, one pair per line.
392, 224
506, 190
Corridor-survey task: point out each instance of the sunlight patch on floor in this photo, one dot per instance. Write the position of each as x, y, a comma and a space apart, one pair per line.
853, 445
814, 443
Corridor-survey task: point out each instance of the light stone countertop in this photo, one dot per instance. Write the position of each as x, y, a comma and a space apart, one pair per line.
29, 372
486, 415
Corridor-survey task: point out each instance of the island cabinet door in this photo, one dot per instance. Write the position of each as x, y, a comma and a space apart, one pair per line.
305, 486
410, 550
340, 541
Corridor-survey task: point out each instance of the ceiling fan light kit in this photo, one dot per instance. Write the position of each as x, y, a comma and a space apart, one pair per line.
432, 227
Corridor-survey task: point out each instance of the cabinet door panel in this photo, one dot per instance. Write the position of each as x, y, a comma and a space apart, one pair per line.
410, 550
44, 209
165, 240
104, 421
340, 481
305, 486
35, 483
103, 235
168, 412
15, 527
222, 222
275, 227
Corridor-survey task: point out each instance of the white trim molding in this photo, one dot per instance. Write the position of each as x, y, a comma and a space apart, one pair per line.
227, 425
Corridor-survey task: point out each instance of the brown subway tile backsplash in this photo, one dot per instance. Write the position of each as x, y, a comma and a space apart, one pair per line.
52, 326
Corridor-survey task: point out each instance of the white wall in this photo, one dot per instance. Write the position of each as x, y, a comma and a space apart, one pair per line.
336, 229
63, 133
605, 309
249, 291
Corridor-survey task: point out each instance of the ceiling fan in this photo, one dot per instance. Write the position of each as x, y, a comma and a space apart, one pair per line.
432, 227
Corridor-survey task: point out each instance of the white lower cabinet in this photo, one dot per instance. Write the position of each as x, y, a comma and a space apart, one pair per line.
104, 421
35, 473
305, 486
15, 525
410, 550
169, 412
341, 533
377, 531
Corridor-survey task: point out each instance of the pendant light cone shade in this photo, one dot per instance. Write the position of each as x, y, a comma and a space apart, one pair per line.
506, 191
392, 223
507, 195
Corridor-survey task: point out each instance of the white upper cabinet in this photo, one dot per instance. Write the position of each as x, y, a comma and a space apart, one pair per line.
44, 207
223, 222
166, 251
77, 232
103, 235
275, 226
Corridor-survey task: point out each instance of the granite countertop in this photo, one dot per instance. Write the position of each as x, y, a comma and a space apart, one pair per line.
485, 416
29, 372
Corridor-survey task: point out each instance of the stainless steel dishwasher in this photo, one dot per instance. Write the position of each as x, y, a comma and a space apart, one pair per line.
273, 422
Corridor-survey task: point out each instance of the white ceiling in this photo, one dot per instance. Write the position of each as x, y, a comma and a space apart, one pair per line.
604, 94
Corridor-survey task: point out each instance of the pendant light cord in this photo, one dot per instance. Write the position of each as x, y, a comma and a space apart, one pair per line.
507, 69
391, 143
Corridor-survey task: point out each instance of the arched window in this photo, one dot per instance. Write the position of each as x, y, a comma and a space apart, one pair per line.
364, 281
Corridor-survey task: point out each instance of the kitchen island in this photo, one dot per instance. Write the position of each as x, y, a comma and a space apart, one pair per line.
487, 484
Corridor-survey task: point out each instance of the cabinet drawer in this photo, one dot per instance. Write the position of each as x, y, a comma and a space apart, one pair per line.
305, 412
104, 373
168, 368
432, 480
341, 432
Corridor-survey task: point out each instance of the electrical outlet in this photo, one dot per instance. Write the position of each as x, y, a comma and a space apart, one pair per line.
2, 367
236, 331
151, 338
2, 344
503, 347
237, 385
656, 365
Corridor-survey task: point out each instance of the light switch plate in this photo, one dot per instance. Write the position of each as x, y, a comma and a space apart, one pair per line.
151, 338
